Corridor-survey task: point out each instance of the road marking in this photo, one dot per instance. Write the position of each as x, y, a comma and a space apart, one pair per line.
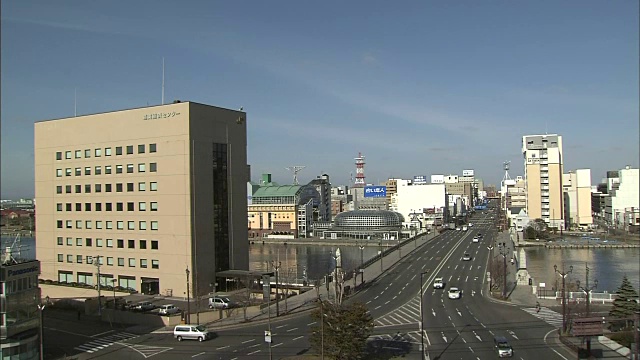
290, 330
255, 352
223, 347
376, 298
198, 354
433, 312
394, 297
513, 334
443, 337
458, 311
378, 307
281, 326
311, 323
477, 336
102, 333
466, 279
248, 341
367, 303
276, 345
297, 338
388, 301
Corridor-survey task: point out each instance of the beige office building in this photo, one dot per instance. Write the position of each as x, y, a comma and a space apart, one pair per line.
543, 169
158, 194
577, 199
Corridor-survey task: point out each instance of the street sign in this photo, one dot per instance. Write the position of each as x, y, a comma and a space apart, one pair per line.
591, 326
267, 336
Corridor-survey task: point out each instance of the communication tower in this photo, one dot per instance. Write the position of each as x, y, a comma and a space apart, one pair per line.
359, 183
506, 171
295, 170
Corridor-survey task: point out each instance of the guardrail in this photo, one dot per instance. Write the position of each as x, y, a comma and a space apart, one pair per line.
579, 296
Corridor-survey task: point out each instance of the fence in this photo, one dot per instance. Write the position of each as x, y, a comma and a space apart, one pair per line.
577, 296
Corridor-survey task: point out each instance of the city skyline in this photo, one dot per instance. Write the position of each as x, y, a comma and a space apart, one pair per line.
427, 88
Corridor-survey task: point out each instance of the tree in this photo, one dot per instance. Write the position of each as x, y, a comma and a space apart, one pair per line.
342, 331
626, 302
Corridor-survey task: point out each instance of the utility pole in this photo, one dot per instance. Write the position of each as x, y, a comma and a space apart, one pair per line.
381, 254
503, 253
422, 315
41, 309
637, 334
564, 300
187, 318
587, 290
97, 264
276, 269
490, 257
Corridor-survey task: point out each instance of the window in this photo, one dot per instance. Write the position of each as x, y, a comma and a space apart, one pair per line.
59, 224
58, 172
143, 263
78, 206
120, 243
129, 168
60, 258
142, 186
98, 242
120, 261
153, 186
107, 151
120, 225
129, 149
87, 153
132, 262
78, 171
67, 206
118, 150
78, 154
59, 206
141, 149
98, 170
78, 241
141, 168
131, 225
142, 206
67, 172
119, 206
58, 155
98, 152
154, 225
98, 188
142, 225
78, 224
130, 206
131, 244
154, 206
118, 169
69, 258
79, 259
59, 189
87, 224
108, 206
69, 241
69, 224
109, 224
129, 187
99, 224
107, 187
154, 244
152, 148
109, 243
88, 242
90, 259
153, 167
98, 206
155, 264
60, 240
78, 189
119, 187
143, 244
107, 169
87, 170
67, 155
109, 261
87, 188
87, 206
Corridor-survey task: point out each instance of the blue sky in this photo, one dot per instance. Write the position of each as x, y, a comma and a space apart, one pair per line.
419, 87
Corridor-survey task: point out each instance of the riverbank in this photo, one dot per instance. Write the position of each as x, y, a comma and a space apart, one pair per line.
328, 242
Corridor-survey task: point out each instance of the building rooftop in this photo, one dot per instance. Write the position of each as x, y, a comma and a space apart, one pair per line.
271, 191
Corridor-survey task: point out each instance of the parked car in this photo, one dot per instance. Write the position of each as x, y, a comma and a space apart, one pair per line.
220, 302
144, 306
168, 309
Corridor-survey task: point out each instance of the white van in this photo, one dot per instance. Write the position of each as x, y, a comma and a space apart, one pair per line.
220, 302
193, 332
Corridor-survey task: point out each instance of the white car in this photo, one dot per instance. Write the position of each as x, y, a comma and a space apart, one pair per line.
438, 283
168, 309
475, 239
466, 257
454, 293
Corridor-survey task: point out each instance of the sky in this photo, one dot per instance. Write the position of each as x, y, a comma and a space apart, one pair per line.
417, 87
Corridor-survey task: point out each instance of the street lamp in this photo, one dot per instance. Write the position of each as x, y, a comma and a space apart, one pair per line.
381, 254
503, 252
422, 314
113, 281
564, 300
40, 310
490, 248
187, 319
587, 290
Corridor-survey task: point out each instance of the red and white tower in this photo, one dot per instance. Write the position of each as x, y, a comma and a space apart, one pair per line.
359, 183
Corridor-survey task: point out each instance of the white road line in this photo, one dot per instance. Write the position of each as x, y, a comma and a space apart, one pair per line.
281, 326
223, 347
198, 354
297, 338
311, 323
276, 345
255, 352
290, 330
378, 307
248, 341
102, 333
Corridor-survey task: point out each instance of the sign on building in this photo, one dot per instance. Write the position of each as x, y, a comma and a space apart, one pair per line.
420, 179
467, 173
375, 191
437, 179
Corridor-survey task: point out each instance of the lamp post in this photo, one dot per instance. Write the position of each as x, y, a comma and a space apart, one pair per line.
564, 300
40, 310
187, 317
587, 290
490, 248
381, 268
503, 253
113, 281
361, 255
422, 314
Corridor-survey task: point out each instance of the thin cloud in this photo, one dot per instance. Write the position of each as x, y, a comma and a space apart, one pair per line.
369, 59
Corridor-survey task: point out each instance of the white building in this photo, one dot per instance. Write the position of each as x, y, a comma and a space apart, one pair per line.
577, 198
623, 196
427, 201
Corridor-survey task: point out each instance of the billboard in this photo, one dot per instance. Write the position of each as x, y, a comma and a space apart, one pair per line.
375, 191
420, 179
437, 179
467, 172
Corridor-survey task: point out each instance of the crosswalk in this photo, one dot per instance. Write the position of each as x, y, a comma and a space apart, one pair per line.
101, 343
547, 315
408, 313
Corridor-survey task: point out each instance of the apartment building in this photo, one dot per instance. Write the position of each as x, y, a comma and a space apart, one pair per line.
577, 198
543, 168
623, 202
151, 198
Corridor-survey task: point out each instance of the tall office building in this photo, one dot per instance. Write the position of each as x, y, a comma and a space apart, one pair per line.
577, 199
151, 198
543, 169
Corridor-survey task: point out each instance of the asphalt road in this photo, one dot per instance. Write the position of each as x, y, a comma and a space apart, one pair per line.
454, 329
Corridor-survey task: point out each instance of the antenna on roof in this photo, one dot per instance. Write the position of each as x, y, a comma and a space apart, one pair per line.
75, 102
295, 169
163, 80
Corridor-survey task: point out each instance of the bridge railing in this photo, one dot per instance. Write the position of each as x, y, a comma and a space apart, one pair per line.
578, 296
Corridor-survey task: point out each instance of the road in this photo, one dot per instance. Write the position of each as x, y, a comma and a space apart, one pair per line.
454, 329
